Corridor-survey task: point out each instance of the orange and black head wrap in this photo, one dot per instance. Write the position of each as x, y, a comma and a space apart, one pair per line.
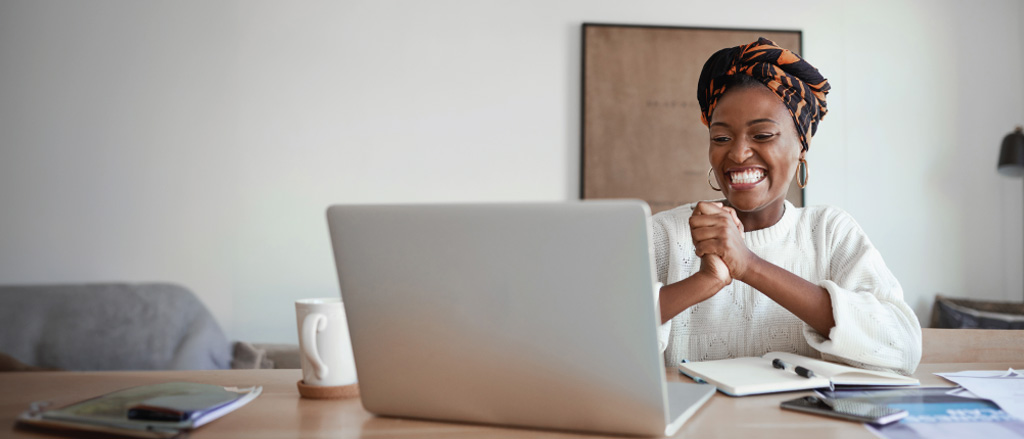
799, 85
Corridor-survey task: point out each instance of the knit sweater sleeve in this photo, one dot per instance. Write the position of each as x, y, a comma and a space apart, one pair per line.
875, 328
661, 235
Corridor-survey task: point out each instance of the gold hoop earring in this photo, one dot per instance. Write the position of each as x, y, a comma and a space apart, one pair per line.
807, 174
718, 189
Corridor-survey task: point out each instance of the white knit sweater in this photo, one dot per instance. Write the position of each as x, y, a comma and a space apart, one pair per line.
875, 329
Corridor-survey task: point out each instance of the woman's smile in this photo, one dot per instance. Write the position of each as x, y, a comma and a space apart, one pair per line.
746, 177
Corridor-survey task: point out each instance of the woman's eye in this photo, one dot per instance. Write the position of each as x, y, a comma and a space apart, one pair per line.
720, 139
763, 136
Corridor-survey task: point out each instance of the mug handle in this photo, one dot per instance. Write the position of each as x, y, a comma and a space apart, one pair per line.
312, 324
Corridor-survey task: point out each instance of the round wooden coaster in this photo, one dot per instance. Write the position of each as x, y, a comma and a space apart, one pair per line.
328, 392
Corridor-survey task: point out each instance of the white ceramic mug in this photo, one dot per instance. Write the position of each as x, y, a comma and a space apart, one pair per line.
324, 345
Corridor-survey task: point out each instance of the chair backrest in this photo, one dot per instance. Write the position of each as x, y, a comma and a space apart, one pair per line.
950, 312
145, 326
972, 345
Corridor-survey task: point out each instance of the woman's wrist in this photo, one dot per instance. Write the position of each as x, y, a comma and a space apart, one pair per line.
710, 281
753, 266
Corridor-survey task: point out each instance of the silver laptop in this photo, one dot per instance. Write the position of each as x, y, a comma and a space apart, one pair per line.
531, 315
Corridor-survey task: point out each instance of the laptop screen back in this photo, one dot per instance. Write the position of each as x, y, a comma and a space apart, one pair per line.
537, 315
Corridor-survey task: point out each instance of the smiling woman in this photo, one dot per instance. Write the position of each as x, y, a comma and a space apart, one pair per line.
751, 273
754, 151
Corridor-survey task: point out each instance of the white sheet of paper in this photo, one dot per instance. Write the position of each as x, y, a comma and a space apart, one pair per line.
1003, 388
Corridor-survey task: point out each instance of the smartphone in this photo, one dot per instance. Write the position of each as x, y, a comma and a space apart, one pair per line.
846, 409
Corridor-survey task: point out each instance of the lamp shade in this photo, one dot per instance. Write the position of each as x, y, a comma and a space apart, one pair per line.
1011, 156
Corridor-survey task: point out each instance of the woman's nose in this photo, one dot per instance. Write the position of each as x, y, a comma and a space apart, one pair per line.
740, 151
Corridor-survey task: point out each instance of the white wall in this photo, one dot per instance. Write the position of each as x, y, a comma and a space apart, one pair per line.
200, 142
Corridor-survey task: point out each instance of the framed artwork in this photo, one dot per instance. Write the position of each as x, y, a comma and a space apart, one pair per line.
641, 135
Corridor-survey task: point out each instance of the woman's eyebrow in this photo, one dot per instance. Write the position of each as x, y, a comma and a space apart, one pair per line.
757, 121
753, 122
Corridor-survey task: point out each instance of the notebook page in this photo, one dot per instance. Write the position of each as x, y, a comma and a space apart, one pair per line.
841, 374
750, 375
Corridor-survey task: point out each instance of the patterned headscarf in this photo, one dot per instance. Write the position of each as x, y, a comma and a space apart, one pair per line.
799, 85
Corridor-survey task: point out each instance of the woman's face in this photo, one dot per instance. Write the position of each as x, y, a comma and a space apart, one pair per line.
754, 148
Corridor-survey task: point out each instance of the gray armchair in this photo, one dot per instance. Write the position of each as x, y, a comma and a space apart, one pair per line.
148, 326
949, 312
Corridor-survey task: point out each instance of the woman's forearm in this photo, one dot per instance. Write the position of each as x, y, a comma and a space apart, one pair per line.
681, 295
809, 302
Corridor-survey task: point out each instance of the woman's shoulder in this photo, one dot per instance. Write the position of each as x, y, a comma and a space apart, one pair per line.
824, 213
683, 211
673, 222
831, 220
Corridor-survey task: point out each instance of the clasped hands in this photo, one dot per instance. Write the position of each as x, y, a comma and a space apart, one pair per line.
718, 240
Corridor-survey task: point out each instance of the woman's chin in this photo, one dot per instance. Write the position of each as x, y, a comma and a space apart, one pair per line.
744, 201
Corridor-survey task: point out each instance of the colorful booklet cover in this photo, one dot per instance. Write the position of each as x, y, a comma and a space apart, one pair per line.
936, 413
152, 411
755, 375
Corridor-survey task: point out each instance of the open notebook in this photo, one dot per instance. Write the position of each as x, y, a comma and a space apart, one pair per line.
755, 375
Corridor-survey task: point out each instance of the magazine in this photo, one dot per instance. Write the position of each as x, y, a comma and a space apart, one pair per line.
151, 411
936, 413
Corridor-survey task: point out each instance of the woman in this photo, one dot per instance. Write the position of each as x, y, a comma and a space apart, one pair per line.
752, 274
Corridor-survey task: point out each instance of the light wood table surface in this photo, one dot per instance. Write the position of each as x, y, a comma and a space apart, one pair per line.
280, 413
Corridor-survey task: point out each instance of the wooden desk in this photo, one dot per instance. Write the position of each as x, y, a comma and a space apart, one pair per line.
280, 413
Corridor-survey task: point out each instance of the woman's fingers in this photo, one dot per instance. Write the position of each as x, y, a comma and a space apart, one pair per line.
712, 208
707, 208
718, 218
704, 233
710, 230
718, 232
735, 218
712, 246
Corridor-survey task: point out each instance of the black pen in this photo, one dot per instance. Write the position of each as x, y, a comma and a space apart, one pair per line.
800, 370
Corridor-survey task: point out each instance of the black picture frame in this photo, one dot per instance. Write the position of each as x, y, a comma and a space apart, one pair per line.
640, 131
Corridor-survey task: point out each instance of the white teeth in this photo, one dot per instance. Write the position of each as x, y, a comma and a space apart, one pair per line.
746, 177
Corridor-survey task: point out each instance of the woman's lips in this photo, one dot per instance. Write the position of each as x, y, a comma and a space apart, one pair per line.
747, 177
